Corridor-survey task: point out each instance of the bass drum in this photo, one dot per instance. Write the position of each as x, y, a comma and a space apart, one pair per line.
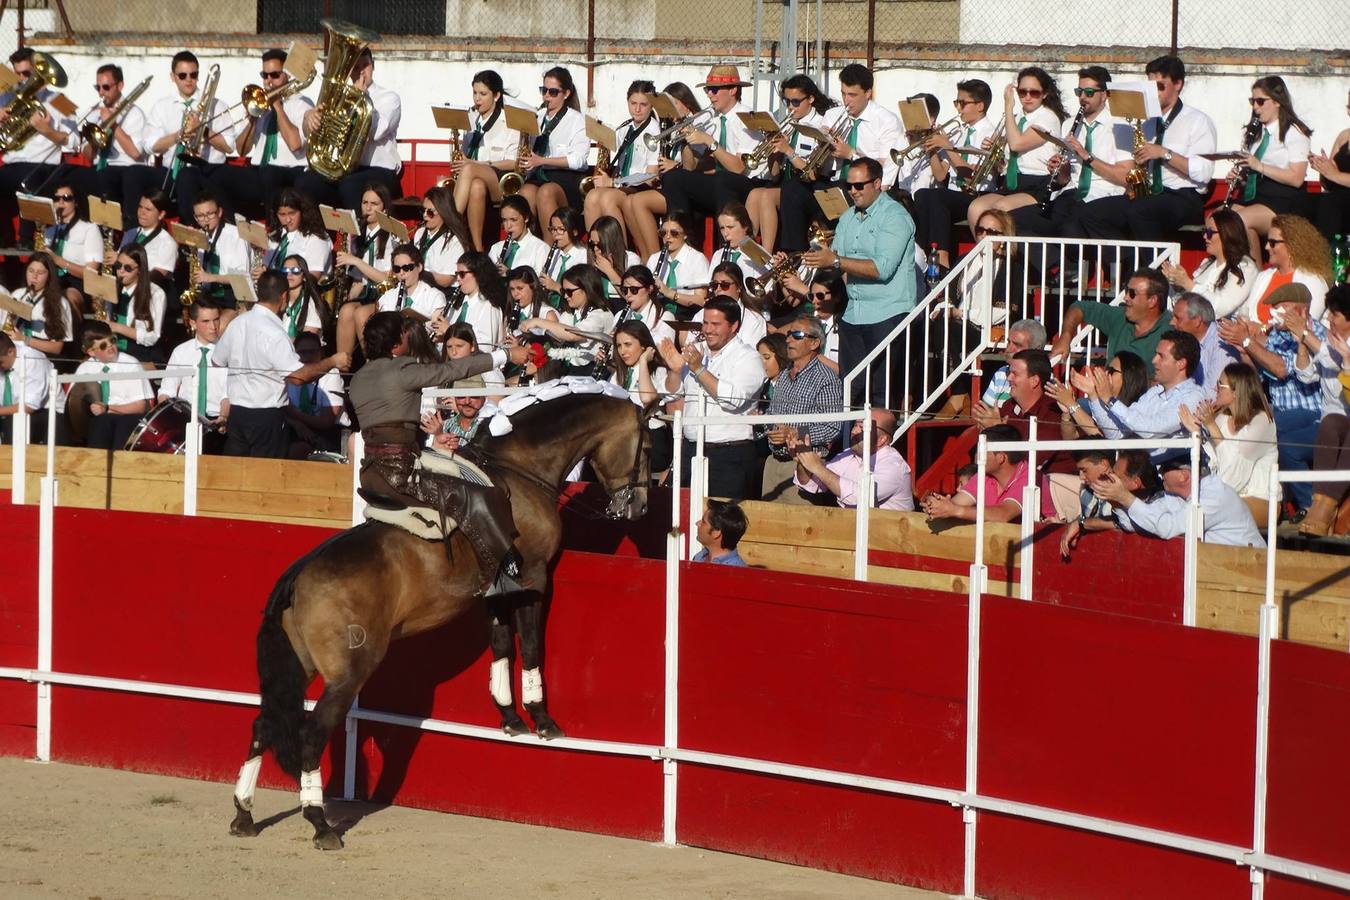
164, 429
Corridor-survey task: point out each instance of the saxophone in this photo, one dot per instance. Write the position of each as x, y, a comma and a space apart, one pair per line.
193, 290
1137, 181
17, 127
456, 155
336, 145
100, 306
511, 182
993, 160
601, 168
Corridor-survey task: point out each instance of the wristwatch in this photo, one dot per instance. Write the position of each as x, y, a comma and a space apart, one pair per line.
1246, 342
1167, 156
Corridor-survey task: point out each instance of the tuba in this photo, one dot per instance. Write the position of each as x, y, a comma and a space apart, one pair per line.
336, 145
17, 129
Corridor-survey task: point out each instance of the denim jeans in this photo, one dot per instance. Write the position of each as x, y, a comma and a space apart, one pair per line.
1296, 432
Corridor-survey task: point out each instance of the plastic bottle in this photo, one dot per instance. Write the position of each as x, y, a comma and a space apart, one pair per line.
933, 274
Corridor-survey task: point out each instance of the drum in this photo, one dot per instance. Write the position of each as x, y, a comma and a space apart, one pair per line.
163, 429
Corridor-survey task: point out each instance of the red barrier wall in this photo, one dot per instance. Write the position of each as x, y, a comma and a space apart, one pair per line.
1082, 710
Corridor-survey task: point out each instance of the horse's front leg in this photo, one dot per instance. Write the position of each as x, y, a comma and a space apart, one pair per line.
499, 677
530, 626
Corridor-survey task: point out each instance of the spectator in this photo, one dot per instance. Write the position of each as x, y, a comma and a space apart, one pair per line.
1194, 315
212, 404
1329, 363
638, 370
730, 375
1127, 378
1136, 325
314, 410
1005, 475
892, 481
32, 393
450, 432
1139, 475
719, 530
1299, 255
806, 387
120, 404
1239, 433
1026, 334
1226, 518
1094, 513
1157, 413
773, 352
1274, 352
1226, 276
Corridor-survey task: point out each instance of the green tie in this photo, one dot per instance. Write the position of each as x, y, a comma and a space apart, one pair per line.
122, 315
426, 240
1085, 176
672, 282
270, 146
293, 315
201, 381
626, 167
104, 390
1249, 192
141, 236
790, 171
852, 142
307, 398
1158, 163
102, 162
1012, 158
735, 256
178, 147
722, 137
8, 398
463, 311
511, 249
970, 136
280, 258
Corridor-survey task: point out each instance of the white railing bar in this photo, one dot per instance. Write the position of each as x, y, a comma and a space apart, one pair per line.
138, 375
1301, 870
848, 415
1095, 444
976, 587
489, 391
1314, 475
862, 511
18, 462
488, 733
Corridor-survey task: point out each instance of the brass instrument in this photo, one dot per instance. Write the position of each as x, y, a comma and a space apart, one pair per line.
1138, 182
100, 134
601, 168
821, 153
756, 157
334, 287
40, 239
1238, 173
193, 290
902, 155
456, 155
998, 148
656, 141
193, 147
760, 286
17, 128
256, 100
336, 145
511, 182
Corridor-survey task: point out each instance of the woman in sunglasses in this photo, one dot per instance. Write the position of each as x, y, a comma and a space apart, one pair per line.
1299, 254
73, 242
303, 309
442, 237
482, 302
137, 319
1034, 101
299, 230
557, 160
1276, 162
1227, 274
679, 264
610, 256
631, 155
370, 260
490, 151
806, 105
584, 310
52, 329
641, 305
150, 233
567, 247
520, 247
638, 370
642, 209
728, 281
411, 292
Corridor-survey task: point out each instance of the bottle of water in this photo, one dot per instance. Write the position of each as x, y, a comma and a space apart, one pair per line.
1340, 259
933, 275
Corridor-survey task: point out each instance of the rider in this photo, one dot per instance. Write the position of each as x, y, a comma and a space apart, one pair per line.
387, 394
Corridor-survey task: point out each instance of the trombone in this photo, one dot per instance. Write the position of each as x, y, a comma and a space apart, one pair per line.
654, 141
951, 128
100, 134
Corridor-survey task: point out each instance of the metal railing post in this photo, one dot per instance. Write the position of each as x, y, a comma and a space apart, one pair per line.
1194, 528
863, 510
976, 588
18, 461
1031, 508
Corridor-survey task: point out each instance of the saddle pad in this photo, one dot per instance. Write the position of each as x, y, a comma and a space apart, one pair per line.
419, 521
455, 466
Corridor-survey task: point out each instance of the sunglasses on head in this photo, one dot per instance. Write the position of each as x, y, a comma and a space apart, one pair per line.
406, 267
292, 270
723, 285
184, 76
269, 75
1088, 92
545, 91
1033, 93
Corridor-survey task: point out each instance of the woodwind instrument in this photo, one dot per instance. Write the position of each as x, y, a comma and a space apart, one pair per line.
1044, 200
1137, 181
601, 168
456, 155
193, 291
1239, 172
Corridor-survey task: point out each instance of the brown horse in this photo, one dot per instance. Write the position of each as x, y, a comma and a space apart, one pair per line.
335, 610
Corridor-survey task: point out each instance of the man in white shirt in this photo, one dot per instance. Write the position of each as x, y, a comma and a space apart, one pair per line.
870, 131
730, 375
892, 480
226, 252
210, 386
258, 353
106, 175
1226, 519
27, 167
31, 392
379, 161
940, 207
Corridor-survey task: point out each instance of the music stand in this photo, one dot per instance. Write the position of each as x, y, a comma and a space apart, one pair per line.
340, 220
105, 213
521, 119
392, 226
41, 211
761, 122
100, 287
1131, 100
189, 237
662, 103
450, 119
832, 202
300, 59
242, 286
602, 134
253, 233
15, 307
914, 115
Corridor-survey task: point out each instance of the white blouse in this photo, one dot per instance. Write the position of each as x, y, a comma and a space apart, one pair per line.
690, 267
654, 316
568, 138
39, 328
1281, 154
83, 244
499, 142
160, 249
530, 251
148, 332
316, 250
424, 300
441, 255
312, 320
749, 268
486, 320
596, 321
1233, 295
1036, 162
1245, 459
641, 159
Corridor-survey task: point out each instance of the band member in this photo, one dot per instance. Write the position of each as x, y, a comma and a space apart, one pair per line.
864, 130
567, 234
137, 320
31, 391
442, 237
520, 247
160, 247
806, 106
379, 160
529, 299
120, 404
1333, 203
681, 271
641, 209
1171, 155
1100, 158
110, 166
631, 156
1026, 176
490, 151
483, 302
173, 126
300, 230
195, 352
557, 160
74, 242
642, 304
584, 309
733, 226
1277, 163
939, 208
713, 172
29, 165
610, 256
728, 282
370, 263
413, 292
52, 329
914, 172
274, 144
226, 253
303, 309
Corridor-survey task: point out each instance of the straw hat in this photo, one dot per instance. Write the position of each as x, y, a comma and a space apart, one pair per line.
724, 76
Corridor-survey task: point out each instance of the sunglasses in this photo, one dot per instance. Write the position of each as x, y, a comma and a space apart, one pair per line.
184, 76
270, 75
962, 104
631, 290
428, 212
1258, 101
549, 92
1210, 232
462, 273
858, 185
569, 291
596, 245
993, 232
799, 335
1030, 92
673, 232
796, 101
714, 90
1271, 242
724, 285
126, 267
820, 295
63, 198
1226, 387
295, 270
1132, 293
1088, 92
104, 88
406, 267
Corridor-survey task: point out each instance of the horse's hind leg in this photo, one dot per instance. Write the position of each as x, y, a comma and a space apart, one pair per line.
243, 826
331, 709
530, 626
499, 680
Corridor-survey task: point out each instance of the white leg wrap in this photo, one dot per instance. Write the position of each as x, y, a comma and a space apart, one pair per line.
531, 686
311, 788
248, 782
499, 681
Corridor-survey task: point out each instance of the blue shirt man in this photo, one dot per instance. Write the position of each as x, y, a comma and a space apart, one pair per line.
719, 531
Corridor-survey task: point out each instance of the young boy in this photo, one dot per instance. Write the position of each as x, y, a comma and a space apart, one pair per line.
1095, 514
118, 405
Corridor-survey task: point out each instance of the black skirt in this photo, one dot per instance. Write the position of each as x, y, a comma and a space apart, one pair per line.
1280, 199
567, 179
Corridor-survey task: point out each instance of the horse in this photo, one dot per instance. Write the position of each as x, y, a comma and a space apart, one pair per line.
335, 610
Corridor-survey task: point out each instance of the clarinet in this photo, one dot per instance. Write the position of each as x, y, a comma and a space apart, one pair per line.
506, 246
1044, 201
402, 297
1238, 172
453, 299
550, 259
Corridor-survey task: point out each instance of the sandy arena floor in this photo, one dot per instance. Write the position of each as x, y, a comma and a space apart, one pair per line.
99, 834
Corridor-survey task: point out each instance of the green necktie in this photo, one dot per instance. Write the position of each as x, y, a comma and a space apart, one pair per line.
178, 147
293, 316
970, 136
122, 316
722, 137
1158, 163
511, 249
852, 142
735, 256
1249, 192
201, 381
270, 146
626, 167
104, 390
463, 311
141, 236
307, 392
101, 162
279, 260
672, 282
1085, 176
1012, 158
426, 240
789, 170
8, 397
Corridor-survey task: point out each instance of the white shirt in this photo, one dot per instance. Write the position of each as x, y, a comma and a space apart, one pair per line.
1112, 142
384, 262
642, 158
440, 256
1227, 520
580, 353
654, 316
1245, 459
39, 328
563, 260
499, 142
132, 120
739, 138
1281, 154
1190, 134
381, 148
424, 300
802, 145
915, 174
148, 332
83, 244
749, 268
120, 392
296, 106
166, 118
530, 251
878, 131
1325, 366
971, 136
635, 393
830, 350
1233, 295
36, 376
691, 267
232, 252
313, 321
189, 355
38, 149
486, 319
325, 393
258, 353
161, 250
1313, 282
568, 138
753, 326
1035, 162
740, 375
316, 250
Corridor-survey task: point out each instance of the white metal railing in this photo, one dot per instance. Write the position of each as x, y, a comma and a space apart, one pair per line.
964, 302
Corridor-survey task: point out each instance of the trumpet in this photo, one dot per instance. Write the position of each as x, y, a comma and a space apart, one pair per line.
821, 153
655, 141
901, 155
100, 134
759, 286
756, 157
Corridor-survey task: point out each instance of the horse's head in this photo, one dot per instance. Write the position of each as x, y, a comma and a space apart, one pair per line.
622, 463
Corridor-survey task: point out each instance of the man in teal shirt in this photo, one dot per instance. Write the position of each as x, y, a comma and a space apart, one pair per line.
874, 248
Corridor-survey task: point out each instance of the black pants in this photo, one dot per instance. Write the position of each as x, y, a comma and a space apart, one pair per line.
37, 428
110, 431
734, 469
345, 193
259, 433
704, 193
119, 184
1147, 219
1033, 221
855, 342
1332, 208
25, 177
251, 190
797, 209
939, 210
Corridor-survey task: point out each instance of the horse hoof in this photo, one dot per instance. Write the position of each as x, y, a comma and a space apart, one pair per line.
513, 724
243, 826
548, 730
328, 840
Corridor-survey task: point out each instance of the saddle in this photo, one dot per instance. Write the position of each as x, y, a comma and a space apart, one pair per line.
421, 520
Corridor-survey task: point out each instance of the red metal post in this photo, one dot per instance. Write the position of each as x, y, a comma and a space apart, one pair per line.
871, 33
